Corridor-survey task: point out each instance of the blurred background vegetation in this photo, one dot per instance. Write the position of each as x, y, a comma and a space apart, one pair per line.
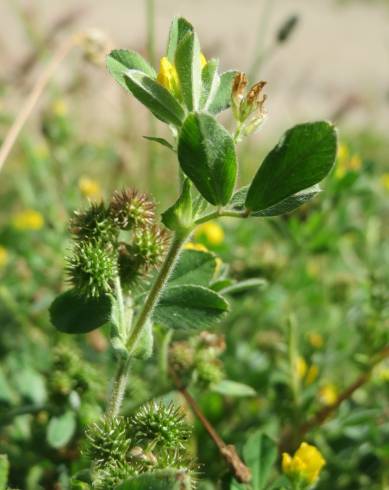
325, 266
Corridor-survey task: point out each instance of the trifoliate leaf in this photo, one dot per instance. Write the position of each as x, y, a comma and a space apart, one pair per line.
189, 307
207, 156
302, 158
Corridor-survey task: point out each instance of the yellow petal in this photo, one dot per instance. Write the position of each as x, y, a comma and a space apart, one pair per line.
203, 60
28, 220
168, 76
212, 232
3, 256
195, 246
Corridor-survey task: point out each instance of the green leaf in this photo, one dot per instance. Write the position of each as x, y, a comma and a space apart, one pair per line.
6, 393
72, 313
4, 469
260, 454
206, 153
188, 66
158, 480
161, 141
287, 205
222, 99
194, 267
210, 82
179, 217
245, 285
302, 158
189, 307
232, 388
155, 97
30, 384
120, 61
61, 429
178, 29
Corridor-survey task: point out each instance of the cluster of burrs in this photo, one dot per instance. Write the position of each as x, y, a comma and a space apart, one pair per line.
121, 239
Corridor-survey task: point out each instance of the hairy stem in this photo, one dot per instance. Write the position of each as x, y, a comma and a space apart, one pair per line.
223, 213
120, 380
156, 290
119, 388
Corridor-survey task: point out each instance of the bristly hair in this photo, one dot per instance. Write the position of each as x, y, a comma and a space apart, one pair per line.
130, 209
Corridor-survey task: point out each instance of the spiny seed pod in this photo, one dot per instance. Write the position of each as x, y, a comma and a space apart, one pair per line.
161, 424
92, 268
60, 383
112, 474
209, 372
130, 267
107, 440
130, 209
149, 246
181, 356
93, 224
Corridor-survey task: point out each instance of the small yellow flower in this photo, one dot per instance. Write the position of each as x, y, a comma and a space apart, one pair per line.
305, 372
346, 162
59, 108
3, 256
89, 187
212, 232
306, 463
195, 246
312, 374
301, 367
316, 340
168, 77
203, 60
385, 181
328, 394
29, 219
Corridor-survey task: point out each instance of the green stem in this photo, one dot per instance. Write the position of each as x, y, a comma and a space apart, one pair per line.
156, 290
119, 388
221, 213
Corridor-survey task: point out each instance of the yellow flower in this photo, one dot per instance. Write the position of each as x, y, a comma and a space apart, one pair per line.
89, 187
312, 374
305, 372
195, 246
3, 256
301, 367
168, 76
316, 340
59, 108
29, 219
346, 162
306, 463
203, 60
212, 232
328, 394
385, 181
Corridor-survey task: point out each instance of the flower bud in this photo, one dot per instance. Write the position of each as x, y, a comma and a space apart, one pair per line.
304, 466
237, 96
